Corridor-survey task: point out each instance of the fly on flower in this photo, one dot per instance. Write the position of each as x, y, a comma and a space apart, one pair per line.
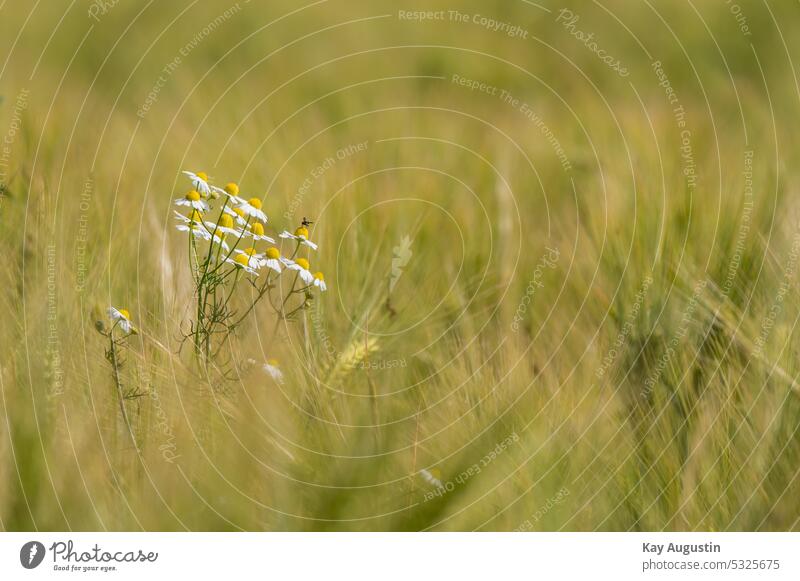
121, 318
301, 234
199, 182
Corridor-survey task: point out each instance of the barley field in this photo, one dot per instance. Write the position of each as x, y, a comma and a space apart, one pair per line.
554, 289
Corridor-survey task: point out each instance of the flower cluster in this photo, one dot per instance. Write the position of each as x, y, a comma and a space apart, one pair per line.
232, 247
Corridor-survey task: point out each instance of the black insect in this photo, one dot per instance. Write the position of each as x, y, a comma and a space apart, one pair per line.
306, 222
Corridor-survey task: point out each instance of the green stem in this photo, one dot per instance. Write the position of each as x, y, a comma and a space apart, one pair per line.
233, 286
239, 239
118, 382
206, 273
261, 292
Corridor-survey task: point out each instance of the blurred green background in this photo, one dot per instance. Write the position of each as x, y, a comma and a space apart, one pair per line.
602, 279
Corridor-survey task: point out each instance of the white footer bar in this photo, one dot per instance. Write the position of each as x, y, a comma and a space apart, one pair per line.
380, 556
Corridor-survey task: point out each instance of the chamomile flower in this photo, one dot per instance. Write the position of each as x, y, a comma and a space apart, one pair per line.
201, 232
300, 234
257, 232
195, 217
230, 190
195, 226
193, 200
251, 252
122, 318
199, 182
252, 208
272, 369
246, 263
432, 476
225, 226
319, 281
301, 266
237, 214
273, 259
248, 258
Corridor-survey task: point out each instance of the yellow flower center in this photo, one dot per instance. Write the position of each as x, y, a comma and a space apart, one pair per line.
255, 202
226, 221
273, 253
239, 212
242, 259
124, 313
250, 251
258, 229
202, 175
319, 276
232, 189
303, 263
193, 196
195, 216
272, 362
302, 231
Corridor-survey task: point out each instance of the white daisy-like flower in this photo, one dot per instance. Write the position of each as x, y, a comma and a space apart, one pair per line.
237, 215
247, 260
193, 200
252, 254
272, 369
195, 217
225, 226
122, 318
202, 233
257, 232
196, 228
252, 208
319, 281
300, 234
241, 261
199, 182
231, 191
273, 259
199, 230
431, 477
301, 266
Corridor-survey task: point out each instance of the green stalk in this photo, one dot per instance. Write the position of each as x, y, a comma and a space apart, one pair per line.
118, 381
